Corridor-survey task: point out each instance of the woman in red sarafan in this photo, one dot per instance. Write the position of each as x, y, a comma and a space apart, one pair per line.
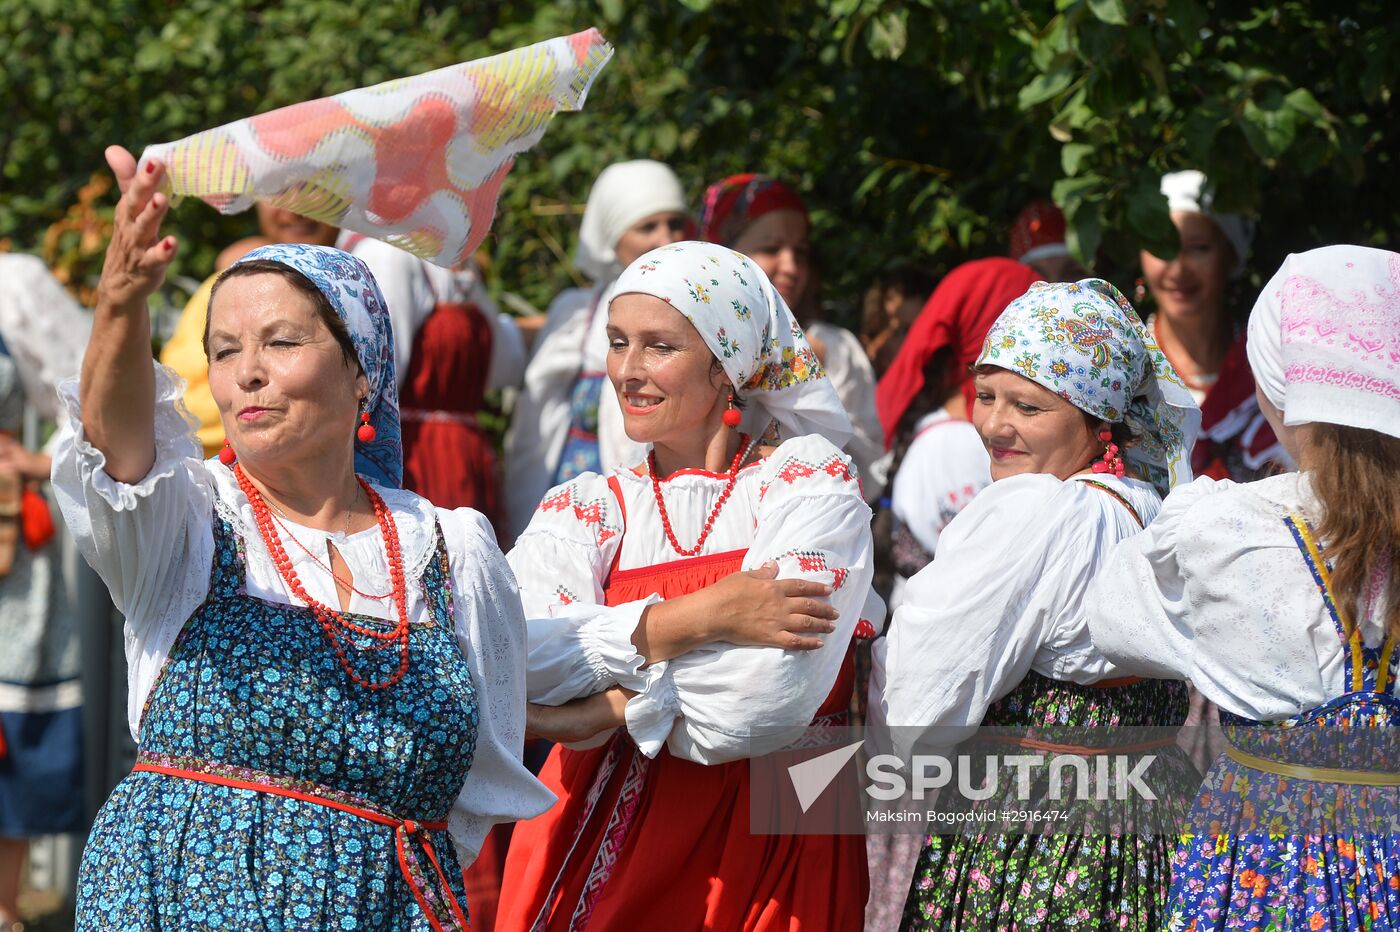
658, 630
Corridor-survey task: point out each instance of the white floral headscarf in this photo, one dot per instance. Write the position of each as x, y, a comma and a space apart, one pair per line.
745, 323
1083, 341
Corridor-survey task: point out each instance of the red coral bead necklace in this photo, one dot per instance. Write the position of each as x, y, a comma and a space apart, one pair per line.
744, 447
333, 623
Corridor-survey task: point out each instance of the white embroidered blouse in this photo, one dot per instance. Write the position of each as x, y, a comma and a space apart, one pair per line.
152, 543
1218, 593
801, 507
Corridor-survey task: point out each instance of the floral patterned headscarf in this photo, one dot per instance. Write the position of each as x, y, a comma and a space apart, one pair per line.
745, 323
351, 289
1083, 341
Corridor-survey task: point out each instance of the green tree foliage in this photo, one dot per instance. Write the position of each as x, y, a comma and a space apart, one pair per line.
916, 128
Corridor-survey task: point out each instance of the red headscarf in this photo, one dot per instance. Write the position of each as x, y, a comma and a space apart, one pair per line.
734, 203
1038, 232
958, 314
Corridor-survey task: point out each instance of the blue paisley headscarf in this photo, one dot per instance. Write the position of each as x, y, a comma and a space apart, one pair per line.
1084, 342
351, 289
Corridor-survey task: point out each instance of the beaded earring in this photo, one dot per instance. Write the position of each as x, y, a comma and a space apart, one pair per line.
365, 432
226, 455
1112, 462
732, 415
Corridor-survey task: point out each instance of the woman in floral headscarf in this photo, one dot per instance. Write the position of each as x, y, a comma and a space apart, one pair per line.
1279, 600
326, 673
1087, 426
656, 624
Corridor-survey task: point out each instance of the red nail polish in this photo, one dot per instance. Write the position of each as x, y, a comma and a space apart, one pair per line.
150, 168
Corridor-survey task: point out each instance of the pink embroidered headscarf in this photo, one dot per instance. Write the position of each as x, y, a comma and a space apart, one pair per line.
1324, 338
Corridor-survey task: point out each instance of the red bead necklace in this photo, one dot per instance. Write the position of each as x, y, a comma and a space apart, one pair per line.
739, 458
333, 623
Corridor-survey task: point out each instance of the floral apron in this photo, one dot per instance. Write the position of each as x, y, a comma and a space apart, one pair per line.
1248, 872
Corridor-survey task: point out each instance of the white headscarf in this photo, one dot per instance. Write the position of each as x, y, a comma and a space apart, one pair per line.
1324, 338
624, 193
745, 323
1189, 190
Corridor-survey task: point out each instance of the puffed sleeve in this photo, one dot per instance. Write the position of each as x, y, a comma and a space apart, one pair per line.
1009, 570
152, 541
491, 635
1216, 592
578, 645
721, 702
1138, 607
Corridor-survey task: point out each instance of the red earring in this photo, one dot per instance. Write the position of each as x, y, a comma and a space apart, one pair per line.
732, 415
366, 432
1111, 461
226, 455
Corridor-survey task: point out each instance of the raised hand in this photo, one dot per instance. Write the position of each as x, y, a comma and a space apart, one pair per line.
138, 255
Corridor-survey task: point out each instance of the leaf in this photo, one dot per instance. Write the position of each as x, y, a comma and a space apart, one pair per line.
1084, 232
1109, 11
1072, 156
889, 35
1043, 88
1145, 210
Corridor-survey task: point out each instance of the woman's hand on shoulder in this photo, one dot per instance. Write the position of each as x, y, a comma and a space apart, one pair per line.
137, 256
755, 609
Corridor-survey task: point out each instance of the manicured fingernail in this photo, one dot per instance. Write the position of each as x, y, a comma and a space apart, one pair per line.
150, 168
169, 243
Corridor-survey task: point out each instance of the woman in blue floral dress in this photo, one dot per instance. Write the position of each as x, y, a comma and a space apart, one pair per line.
1278, 599
326, 674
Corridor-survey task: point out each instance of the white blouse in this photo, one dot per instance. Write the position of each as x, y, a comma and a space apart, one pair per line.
945, 466
801, 507
1004, 595
574, 339
1217, 592
152, 543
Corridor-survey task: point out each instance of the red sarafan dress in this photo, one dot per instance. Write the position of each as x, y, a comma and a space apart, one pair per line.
448, 459
663, 842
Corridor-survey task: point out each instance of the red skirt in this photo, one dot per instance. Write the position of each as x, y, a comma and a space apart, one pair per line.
664, 843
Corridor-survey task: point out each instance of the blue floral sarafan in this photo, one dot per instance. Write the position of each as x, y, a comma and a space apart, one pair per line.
250, 695
1297, 827
1084, 342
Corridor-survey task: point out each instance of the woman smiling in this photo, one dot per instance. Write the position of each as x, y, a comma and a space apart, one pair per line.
657, 625
1087, 426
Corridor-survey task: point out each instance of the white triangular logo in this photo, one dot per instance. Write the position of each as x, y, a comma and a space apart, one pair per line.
811, 777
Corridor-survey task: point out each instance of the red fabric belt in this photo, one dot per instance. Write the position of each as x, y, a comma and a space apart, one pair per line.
431, 891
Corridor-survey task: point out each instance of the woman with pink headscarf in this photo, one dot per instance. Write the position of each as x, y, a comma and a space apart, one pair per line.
1278, 600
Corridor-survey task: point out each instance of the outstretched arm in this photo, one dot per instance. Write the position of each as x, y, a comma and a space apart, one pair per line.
118, 383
